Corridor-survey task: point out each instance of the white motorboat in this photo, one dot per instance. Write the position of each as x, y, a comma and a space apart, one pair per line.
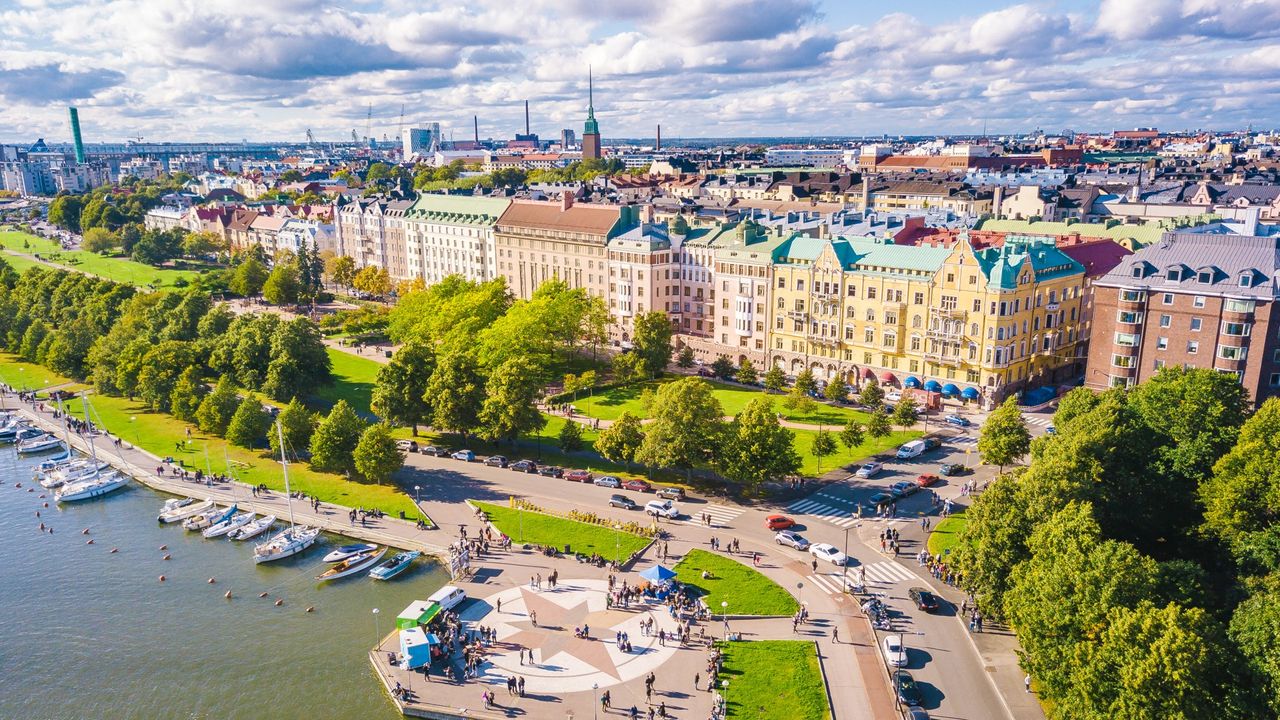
71, 472
96, 487
182, 512
290, 541
209, 518
397, 564
348, 551
253, 529
43, 443
53, 463
352, 565
226, 526
174, 503
16, 432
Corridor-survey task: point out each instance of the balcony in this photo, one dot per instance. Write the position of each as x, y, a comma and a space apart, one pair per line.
949, 360
1051, 307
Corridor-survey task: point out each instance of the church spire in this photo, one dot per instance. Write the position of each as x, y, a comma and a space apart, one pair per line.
591, 105
591, 128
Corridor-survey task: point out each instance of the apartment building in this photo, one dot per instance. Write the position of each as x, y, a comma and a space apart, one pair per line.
538, 240
744, 280
643, 275
1192, 299
452, 235
371, 231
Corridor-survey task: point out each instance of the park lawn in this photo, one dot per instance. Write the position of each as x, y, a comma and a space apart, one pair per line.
21, 263
23, 375
746, 590
14, 239
353, 378
118, 268
773, 680
844, 457
540, 529
946, 534
611, 403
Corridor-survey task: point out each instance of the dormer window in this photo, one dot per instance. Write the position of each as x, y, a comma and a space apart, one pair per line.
1204, 275
1174, 274
1246, 279
1137, 271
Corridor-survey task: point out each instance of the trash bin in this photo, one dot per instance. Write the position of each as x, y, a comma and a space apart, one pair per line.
401, 514
567, 551
387, 353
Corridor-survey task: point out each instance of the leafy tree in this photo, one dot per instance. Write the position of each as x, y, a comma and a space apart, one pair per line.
628, 367
823, 445
340, 269
510, 404
805, 383
1004, 438
878, 424
215, 411
570, 437
298, 361
373, 280
993, 541
160, 369
686, 428
400, 390
35, 335
747, 374
158, 246
64, 211
99, 240
775, 379
757, 448
188, 393
620, 441
723, 368
248, 278
248, 427
1254, 628
1239, 497
203, 244
283, 285
798, 402
335, 439
684, 358
456, 391
852, 434
904, 413
297, 424
836, 390
376, 456
872, 394
652, 341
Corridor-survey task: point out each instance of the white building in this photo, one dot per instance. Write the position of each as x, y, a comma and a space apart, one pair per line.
141, 168
165, 218
297, 232
420, 141
806, 157
452, 235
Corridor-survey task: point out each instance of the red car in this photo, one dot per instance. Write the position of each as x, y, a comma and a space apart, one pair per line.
926, 480
637, 486
578, 476
778, 522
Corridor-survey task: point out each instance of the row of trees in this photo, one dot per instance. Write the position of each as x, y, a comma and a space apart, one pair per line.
1106, 553
112, 206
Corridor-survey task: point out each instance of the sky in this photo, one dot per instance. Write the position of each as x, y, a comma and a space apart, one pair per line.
218, 70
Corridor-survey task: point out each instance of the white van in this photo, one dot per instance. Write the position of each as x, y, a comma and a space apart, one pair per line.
448, 596
911, 449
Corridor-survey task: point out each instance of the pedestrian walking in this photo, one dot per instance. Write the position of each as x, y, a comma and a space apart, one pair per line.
1026, 682
696, 678
835, 635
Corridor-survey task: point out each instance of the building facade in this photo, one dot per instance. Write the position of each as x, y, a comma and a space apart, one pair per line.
452, 235
535, 241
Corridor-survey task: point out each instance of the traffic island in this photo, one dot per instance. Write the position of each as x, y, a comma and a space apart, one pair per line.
721, 579
538, 527
773, 680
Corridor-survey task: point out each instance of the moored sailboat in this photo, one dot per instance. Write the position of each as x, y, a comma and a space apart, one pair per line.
293, 539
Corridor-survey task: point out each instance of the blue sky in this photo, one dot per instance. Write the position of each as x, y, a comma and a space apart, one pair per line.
271, 69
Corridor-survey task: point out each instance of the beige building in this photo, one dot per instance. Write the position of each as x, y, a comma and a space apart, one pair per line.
536, 241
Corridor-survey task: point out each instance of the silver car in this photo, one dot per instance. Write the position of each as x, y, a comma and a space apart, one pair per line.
791, 539
870, 469
608, 481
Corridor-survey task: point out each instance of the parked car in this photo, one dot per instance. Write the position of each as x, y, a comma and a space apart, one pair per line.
791, 538
951, 469
407, 445
927, 479
662, 508
434, 451
894, 653
608, 481
524, 466
583, 476
828, 552
957, 420
463, 455
622, 501
903, 488
551, 471
911, 449
870, 469
905, 686
496, 461
778, 522
893, 396
671, 493
637, 486
931, 443
1051, 430
881, 498
923, 599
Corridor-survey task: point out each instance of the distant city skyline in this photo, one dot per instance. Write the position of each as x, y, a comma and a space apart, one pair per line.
220, 70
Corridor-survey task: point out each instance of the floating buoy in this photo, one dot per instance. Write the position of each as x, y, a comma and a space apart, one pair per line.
17, 485
41, 496
89, 541
46, 504
262, 595
227, 595
311, 609
210, 581
37, 513
41, 527
31, 489
164, 547
84, 531
115, 550
279, 603
161, 578
166, 557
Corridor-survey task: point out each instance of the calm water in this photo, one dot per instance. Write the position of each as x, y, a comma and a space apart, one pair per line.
89, 634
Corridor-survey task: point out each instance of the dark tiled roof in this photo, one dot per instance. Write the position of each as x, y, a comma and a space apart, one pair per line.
1227, 256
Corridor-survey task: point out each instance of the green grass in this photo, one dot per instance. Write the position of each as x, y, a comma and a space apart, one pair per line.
160, 433
611, 403
844, 457
946, 534
582, 537
353, 381
119, 269
21, 263
746, 590
773, 680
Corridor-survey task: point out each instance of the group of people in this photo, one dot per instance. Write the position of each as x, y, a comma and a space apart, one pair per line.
937, 567
731, 547
889, 541
535, 581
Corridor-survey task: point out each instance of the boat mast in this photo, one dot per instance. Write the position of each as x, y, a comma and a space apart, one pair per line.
66, 424
284, 463
93, 450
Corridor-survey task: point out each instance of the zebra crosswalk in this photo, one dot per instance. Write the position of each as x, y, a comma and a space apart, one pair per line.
962, 440
829, 584
834, 509
720, 515
880, 573
888, 573
1039, 421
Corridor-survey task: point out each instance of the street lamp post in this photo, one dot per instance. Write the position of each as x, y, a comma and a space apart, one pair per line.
132, 424
417, 499
377, 630
800, 587
724, 618
617, 543
595, 693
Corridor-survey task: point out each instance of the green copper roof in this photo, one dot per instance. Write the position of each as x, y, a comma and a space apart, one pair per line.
457, 209
1002, 265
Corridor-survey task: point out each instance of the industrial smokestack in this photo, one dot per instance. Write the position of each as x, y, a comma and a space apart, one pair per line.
75, 134
526, 118
476, 120
658, 144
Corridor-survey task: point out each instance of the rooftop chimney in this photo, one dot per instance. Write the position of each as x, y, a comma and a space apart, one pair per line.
566, 200
476, 119
526, 118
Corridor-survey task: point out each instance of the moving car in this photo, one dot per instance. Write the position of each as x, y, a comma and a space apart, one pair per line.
928, 479
957, 420
791, 538
894, 653
828, 552
662, 508
524, 466
951, 469
464, 455
882, 498
905, 686
551, 471
931, 443
496, 461
778, 522
622, 501
1052, 430
923, 599
903, 488
578, 476
671, 493
637, 486
608, 481
911, 449
892, 396
870, 469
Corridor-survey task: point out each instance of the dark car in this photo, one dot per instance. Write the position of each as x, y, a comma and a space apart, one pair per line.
923, 599
931, 443
622, 501
524, 466
434, 450
637, 486
671, 493
551, 471
952, 469
908, 693
496, 461
882, 498
579, 476
957, 420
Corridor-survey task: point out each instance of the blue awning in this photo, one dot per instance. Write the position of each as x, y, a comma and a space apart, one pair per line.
933, 386
970, 393
950, 389
911, 382
658, 573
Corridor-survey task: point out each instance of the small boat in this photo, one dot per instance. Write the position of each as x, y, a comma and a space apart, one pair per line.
253, 529
71, 472
15, 431
174, 503
97, 487
208, 518
347, 551
397, 564
226, 526
352, 565
49, 464
290, 541
42, 443
182, 512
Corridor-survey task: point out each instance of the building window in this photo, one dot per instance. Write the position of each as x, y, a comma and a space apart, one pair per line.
1133, 295
1246, 279
919, 298
1237, 329
1240, 306
890, 340
1129, 317
1198, 301
1166, 320
915, 343
1174, 274
1275, 379
871, 293
1122, 361
782, 282
1229, 352
1193, 347
1205, 276
1162, 343
853, 291
1127, 339
1195, 324
1168, 299
869, 335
